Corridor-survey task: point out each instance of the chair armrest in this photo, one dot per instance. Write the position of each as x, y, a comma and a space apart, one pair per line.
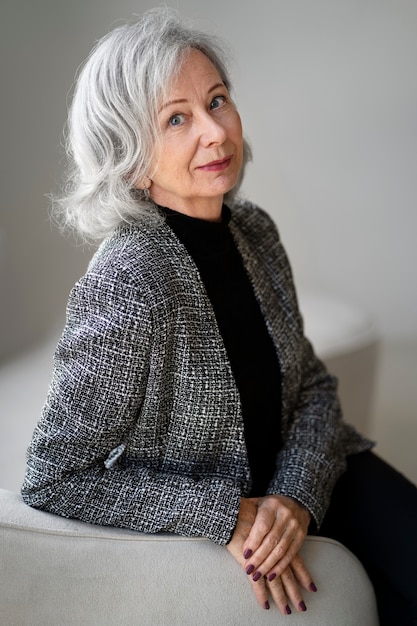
59, 571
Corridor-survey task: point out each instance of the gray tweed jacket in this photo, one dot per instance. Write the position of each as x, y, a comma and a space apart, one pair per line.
142, 426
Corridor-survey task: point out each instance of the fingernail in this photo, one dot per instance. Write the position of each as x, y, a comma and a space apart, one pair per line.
288, 610
313, 587
302, 606
256, 576
266, 605
247, 554
271, 576
250, 569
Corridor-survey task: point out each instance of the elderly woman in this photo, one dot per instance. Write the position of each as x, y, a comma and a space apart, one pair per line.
185, 397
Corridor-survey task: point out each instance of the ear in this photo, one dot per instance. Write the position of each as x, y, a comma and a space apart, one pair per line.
144, 185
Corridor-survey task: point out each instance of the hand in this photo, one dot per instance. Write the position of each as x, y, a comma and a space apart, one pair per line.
276, 536
282, 587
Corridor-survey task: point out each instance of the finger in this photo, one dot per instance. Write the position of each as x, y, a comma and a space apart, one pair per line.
302, 574
261, 527
275, 554
261, 593
292, 589
279, 595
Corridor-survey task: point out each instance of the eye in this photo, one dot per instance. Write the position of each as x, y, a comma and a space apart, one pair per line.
176, 120
217, 102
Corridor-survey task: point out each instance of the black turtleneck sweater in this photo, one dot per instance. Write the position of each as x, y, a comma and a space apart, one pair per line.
248, 344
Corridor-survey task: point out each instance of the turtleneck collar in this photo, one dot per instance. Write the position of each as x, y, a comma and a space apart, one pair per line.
202, 238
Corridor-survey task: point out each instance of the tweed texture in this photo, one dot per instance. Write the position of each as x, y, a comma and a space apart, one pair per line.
142, 427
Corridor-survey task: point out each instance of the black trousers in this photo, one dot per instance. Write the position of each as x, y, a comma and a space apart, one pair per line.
373, 512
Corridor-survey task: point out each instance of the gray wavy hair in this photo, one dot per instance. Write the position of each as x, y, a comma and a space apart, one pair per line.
112, 125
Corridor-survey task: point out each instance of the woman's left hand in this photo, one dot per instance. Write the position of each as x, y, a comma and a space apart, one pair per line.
276, 536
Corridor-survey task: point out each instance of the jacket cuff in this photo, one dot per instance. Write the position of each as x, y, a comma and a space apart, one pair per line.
218, 518
308, 479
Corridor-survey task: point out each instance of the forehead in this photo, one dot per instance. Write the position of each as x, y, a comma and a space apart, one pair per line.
197, 69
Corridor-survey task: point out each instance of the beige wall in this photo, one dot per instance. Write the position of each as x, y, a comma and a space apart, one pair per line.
328, 95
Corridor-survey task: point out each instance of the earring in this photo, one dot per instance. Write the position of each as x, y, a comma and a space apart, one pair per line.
146, 188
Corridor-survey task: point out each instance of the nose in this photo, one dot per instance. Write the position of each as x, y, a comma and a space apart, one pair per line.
212, 132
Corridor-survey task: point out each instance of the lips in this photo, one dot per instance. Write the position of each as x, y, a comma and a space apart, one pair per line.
216, 166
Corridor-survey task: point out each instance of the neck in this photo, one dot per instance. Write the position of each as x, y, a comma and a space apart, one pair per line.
209, 209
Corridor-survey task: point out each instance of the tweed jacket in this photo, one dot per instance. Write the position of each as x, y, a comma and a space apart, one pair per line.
142, 427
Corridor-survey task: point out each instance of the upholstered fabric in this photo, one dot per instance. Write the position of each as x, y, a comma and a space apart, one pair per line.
59, 572
150, 434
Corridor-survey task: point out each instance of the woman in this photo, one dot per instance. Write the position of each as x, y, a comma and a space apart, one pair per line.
185, 397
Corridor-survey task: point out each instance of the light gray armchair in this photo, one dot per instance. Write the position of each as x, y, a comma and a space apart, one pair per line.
59, 572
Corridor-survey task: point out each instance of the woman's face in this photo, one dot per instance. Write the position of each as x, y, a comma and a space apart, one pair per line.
200, 153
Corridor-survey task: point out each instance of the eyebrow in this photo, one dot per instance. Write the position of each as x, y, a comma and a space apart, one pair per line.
182, 100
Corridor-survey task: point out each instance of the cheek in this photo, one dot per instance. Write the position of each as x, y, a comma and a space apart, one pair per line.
237, 136
175, 155
235, 128
162, 162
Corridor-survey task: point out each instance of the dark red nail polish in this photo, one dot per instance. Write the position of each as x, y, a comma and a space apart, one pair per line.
271, 576
250, 569
288, 610
256, 576
313, 587
266, 605
247, 554
302, 606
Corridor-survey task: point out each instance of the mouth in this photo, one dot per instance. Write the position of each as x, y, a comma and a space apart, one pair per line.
216, 166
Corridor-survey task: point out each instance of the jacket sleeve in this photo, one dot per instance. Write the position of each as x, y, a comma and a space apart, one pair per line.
316, 439
313, 456
75, 463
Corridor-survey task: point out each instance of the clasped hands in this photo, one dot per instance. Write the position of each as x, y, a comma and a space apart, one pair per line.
268, 536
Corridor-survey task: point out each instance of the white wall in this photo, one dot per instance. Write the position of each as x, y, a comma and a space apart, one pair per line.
328, 95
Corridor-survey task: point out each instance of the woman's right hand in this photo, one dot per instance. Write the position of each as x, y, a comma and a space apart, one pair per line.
285, 587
